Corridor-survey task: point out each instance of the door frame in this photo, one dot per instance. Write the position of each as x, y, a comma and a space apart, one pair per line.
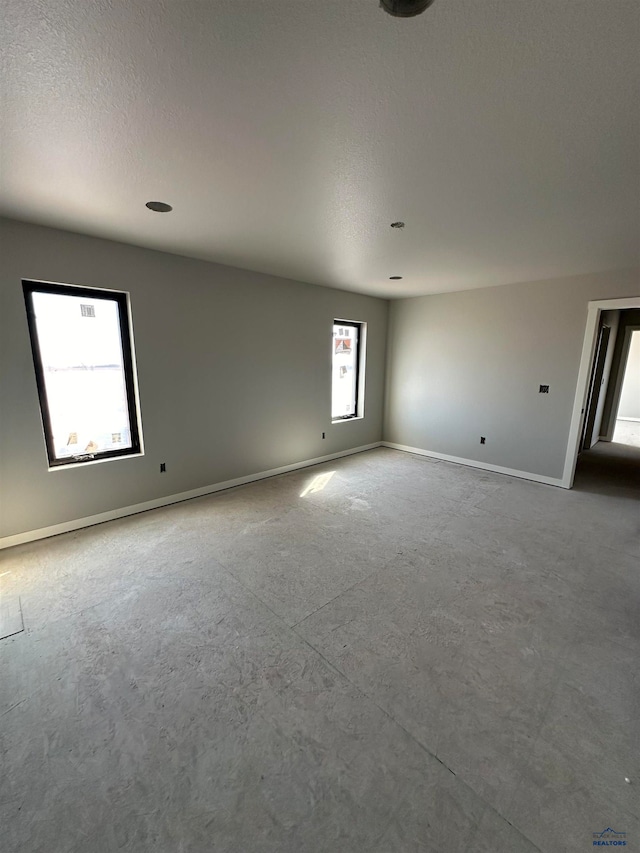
595, 309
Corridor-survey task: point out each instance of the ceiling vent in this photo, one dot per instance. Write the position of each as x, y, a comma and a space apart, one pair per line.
405, 8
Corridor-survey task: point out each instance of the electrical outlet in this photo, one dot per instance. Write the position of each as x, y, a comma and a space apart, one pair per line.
163, 467
544, 389
482, 439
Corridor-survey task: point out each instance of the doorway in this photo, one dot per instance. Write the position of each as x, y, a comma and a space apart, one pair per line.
627, 411
601, 376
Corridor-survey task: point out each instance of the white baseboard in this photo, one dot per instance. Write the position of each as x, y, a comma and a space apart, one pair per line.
167, 500
472, 463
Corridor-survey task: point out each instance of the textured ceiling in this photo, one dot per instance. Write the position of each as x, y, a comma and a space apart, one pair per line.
288, 134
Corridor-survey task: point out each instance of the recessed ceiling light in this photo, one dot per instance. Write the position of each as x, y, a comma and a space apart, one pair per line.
395, 277
159, 206
397, 224
405, 8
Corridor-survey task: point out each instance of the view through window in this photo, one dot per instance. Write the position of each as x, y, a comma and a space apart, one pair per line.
84, 368
346, 361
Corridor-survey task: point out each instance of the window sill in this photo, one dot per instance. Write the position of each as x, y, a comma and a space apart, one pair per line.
348, 420
71, 465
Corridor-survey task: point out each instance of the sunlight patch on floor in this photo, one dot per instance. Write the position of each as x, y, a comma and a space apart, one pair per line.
318, 483
627, 432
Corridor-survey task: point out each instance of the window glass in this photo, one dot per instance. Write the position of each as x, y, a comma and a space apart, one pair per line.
344, 389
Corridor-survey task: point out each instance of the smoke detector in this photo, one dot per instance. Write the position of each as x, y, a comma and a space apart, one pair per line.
405, 8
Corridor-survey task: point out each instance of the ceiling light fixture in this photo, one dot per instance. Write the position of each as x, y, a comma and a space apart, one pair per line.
395, 278
397, 224
405, 8
159, 206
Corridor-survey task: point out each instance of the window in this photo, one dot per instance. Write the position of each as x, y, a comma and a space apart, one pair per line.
346, 398
83, 357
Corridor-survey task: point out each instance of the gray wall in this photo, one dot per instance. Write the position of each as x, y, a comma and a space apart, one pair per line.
467, 364
630, 397
233, 367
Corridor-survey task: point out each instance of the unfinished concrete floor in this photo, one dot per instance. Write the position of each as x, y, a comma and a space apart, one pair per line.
414, 656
